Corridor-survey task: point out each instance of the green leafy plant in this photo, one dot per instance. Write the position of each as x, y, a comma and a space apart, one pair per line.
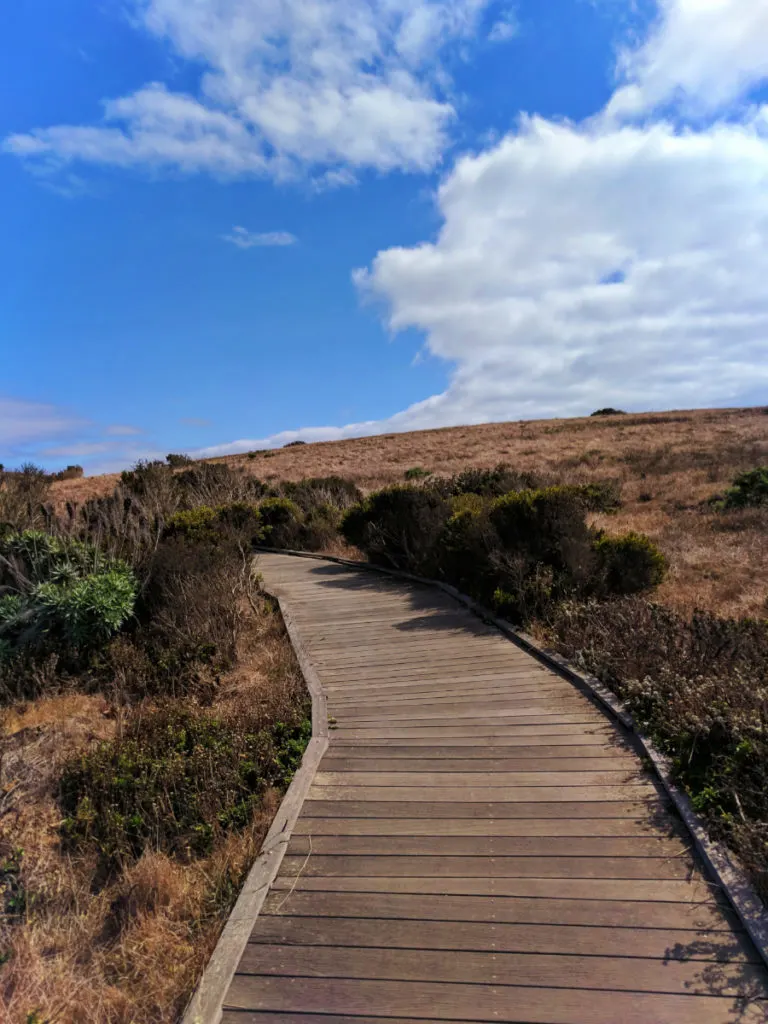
60, 595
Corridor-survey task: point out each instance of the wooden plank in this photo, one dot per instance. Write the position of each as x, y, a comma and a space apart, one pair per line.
616, 765
474, 732
611, 915
497, 794
667, 944
475, 809
482, 752
524, 827
630, 890
318, 865
508, 738
482, 1003
504, 969
500, 719
477, 779
486, 846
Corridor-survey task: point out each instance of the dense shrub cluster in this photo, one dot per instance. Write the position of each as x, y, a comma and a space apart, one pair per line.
59, 596
749, 489
698, 686
178, 778
523, 550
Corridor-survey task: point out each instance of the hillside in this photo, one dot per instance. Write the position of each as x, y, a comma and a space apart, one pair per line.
668, 464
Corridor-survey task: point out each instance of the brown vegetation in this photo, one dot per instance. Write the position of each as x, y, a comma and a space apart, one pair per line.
669, 464
128, 946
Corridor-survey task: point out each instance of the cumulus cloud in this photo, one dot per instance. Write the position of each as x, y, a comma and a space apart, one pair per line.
245, 239
287, 84
701, 54
578, 265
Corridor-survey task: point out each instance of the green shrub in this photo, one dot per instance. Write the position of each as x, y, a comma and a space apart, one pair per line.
197, 524
177, 461
465, 544
490, 483
61, 596
313, 492
320, 527
630, 563
601, 495
281, 521
608, 411
177, 779
545, 526
417, 473
749, 489
398, 527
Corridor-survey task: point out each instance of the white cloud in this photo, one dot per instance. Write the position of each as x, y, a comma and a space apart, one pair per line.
329, 84
506, 28
123, 430
245, 239
511, 292
702, 54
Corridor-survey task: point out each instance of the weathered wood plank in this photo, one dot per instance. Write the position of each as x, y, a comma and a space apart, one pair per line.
616, 765
321, 865
667, 944
502, 779
486, 846
385, 807
472, 793
612, 915
524, 827
614, 974
694, 890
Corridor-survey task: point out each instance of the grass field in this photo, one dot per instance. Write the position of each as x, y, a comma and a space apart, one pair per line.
669, 464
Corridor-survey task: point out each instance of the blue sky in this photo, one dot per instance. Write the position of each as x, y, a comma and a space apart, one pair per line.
236, 222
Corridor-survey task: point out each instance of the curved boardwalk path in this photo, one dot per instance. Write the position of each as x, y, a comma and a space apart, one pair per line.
480, 842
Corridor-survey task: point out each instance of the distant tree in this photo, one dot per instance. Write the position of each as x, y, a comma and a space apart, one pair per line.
608, 411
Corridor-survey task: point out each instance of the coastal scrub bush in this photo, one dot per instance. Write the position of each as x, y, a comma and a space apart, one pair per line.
630, 563
398, 526
749, 489
179, 777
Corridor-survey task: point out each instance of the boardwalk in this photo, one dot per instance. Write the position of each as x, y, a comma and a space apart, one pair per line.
479, 844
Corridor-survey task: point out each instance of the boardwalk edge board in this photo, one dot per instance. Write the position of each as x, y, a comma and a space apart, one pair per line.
205, 1006
726, 872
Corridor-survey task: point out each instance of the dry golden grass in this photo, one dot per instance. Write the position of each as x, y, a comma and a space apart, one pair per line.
668, 464
128, 950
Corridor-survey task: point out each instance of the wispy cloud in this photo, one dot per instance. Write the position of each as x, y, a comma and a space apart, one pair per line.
506, 28
123, 430
22, 423
195, 421
245, 239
